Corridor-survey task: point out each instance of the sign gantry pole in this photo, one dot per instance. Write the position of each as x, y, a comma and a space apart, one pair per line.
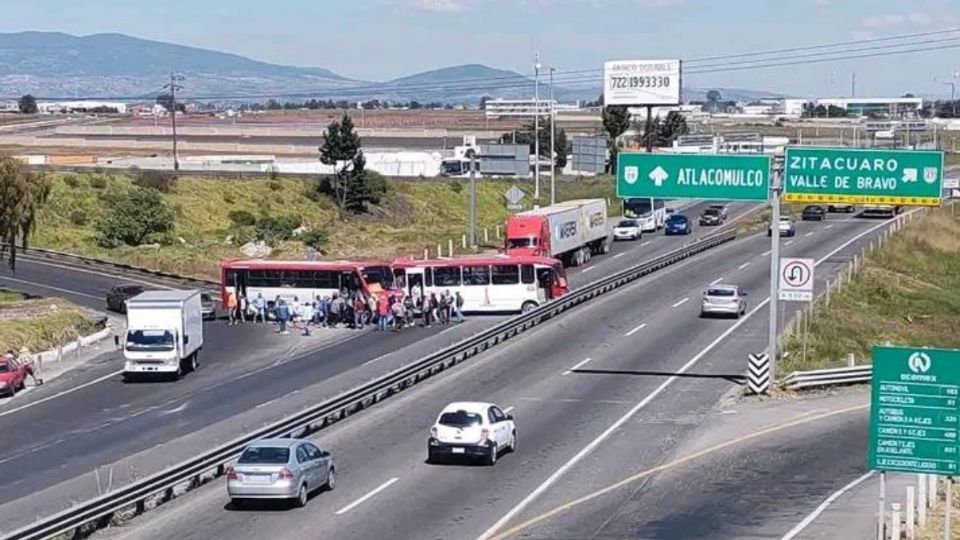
775, 186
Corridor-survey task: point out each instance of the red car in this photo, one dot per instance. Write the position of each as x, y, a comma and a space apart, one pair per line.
13, 375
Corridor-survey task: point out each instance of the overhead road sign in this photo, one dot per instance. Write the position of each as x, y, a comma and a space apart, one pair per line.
693, 176
914, 410
641, 82
857, 176
796, 279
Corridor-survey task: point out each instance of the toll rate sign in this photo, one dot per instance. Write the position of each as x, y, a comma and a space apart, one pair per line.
915, 410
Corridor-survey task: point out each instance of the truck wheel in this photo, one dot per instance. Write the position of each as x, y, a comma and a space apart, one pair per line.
528, 306
193, 363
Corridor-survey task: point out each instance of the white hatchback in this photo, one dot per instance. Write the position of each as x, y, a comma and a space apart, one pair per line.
470, 429
628, 229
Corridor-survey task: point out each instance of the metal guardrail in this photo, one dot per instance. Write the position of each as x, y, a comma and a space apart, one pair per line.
804, 380
77, 261
161, 486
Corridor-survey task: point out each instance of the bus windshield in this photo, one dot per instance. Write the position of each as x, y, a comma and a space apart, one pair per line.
378, 274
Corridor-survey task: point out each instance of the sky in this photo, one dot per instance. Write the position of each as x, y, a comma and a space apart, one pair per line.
384, 39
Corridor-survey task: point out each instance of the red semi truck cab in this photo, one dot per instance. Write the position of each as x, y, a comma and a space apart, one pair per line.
528, 236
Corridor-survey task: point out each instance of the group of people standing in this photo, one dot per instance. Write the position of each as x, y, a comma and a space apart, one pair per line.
351, 309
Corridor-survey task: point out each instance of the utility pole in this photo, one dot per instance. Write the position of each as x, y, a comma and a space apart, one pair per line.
536, 129
173, 87
472, 227
553, 143
772, 346
853, 85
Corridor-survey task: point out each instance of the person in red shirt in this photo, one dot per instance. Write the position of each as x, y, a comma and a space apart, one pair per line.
383, 311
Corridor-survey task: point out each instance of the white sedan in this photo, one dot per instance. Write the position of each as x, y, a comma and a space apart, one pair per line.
471, 429
628, 229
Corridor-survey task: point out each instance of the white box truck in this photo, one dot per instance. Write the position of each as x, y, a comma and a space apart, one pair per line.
571, 231
164, 334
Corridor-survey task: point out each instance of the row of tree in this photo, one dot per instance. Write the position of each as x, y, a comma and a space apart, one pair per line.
22, 194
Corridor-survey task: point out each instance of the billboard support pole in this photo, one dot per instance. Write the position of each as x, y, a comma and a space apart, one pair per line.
648, 128
775, 183
948, 511
881, 502
472, 236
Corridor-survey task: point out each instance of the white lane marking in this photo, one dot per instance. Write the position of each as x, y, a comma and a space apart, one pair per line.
266, 403
809, 234
42, 286
576, 367
635, 330
618, 255
765, 253
587, 450
788, 242
587, 269
718, 280
742, 266
681, 302
60, 394
507, 410
377, 359
828, 226
364, 499
647, 243
179, 409
823, 506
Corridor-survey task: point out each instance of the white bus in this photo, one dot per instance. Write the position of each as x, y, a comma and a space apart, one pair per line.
651, 213
488, 284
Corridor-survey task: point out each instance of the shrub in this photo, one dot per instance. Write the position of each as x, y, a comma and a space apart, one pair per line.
71, 181
160, 181
133, 217
98, 181
242, 217
455, 186
275, 185
274, 230
377, 186
78, 218
316, 238
228, 198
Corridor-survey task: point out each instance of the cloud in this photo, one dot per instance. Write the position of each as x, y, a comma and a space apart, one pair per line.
894, 20
458, 6
442, 6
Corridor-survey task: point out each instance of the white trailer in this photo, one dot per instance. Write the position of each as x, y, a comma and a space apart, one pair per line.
164, 334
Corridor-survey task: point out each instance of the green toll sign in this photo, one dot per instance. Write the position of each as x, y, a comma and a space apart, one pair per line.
693, 176
914, 410
857, 176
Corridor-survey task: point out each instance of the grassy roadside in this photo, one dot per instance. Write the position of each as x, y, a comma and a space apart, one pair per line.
907, 292
41, 324
414, 216
934, 527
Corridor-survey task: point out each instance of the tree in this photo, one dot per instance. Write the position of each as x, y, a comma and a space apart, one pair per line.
28, 105
616, 122
352, 187
525, 136
166, 101
714, 96
133, 217
22, 194
672, 127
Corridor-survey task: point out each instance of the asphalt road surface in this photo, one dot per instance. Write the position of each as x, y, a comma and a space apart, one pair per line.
604, 391
82, 421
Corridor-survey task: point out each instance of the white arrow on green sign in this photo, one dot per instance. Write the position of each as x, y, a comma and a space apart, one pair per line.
693, 176
862, 176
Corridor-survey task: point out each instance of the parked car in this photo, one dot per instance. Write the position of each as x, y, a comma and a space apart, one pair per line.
13, 375
838, 207
208, 306
677, 224
471, 430
712, 217
723, 300
786, 226
627, 229
118, 296
288, 469
814, 212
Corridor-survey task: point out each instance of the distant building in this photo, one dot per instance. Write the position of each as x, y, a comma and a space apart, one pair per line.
49, 107
893, 107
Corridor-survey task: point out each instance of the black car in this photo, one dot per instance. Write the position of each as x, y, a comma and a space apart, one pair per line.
118, 296
711, 216
814, 213
208, 306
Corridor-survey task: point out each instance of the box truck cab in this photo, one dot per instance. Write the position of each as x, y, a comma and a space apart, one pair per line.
164, 334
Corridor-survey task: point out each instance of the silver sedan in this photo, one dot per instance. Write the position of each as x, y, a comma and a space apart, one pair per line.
724, 300
287, 469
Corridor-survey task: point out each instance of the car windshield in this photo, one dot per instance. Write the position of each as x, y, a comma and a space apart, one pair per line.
149, 340
265, 455
206, 298
716, 207
676, 219
521, 242
721, 292
459, 419
711, 212
627, 223
5, 367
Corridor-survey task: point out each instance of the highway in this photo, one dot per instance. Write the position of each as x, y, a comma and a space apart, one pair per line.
600, 393
89, 419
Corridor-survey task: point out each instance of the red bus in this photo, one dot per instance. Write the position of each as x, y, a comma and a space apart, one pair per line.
305, 280
496, 283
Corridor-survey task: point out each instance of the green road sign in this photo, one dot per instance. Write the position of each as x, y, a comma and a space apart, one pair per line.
914, 410
693, 176
856, 176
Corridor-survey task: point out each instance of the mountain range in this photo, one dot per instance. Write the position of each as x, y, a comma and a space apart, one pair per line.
117, 66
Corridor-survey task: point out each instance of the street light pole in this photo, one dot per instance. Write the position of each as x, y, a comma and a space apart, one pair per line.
173, 87
536, 128
553, 144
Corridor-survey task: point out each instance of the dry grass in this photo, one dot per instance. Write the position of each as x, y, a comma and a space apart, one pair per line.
934, 527
41, 324
907, 293
415, 216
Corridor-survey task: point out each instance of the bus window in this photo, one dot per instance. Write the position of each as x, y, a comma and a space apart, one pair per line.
428, 276
545, 281
505, 274
446, 277
476, 275
526, 273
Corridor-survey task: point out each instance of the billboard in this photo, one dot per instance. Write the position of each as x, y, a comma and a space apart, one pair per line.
641, 82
